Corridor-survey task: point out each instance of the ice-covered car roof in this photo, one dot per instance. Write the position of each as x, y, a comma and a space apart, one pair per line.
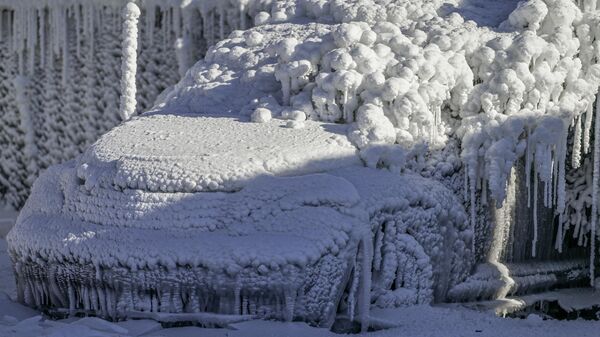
186, 153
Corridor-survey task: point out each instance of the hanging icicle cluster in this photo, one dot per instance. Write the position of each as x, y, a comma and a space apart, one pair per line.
68, 57
551, 76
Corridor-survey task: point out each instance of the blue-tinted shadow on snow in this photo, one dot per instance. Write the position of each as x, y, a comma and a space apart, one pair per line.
486, 13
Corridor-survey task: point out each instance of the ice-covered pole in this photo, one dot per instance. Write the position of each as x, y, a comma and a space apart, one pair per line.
595, 182
131, 14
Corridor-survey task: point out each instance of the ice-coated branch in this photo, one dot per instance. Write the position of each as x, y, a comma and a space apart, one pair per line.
131, 14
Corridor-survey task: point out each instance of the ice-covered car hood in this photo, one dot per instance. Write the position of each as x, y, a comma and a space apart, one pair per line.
193, 153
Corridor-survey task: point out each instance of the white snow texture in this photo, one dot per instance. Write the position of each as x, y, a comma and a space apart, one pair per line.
317, 163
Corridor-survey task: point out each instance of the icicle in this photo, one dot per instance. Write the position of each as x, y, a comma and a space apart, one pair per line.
221, 21
65, 48
42, 34
484, 189
1, 25
131, 14
177, 21
364, 301
31, 39
91, 28
24, 108
165, 27
466, 182
211, 27
204, 17
595, 182
183, 55
71, 293
290, 302
472, 181
561, 161
535, 210
242, 16
78, 30
576, 153
236, 296
528, 158
560, 189
353, 289
15, 30
559, 234
587, 128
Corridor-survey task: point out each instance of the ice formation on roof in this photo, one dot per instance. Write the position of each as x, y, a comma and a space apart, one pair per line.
172, 153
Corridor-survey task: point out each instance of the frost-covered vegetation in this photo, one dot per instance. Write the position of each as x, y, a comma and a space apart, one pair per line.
68, 54
402, 142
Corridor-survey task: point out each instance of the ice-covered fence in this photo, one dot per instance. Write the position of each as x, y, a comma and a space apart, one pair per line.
68, 54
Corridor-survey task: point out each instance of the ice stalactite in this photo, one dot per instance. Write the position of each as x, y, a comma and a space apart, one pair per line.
535, 216
587, 128
473, 201
364, 300
183, 54
595, 188
576, 152
23, 104
131, 13
67, 33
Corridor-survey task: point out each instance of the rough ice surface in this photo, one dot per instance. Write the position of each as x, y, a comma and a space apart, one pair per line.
278, 248
275, 247
187, 153
243, 190
403, 75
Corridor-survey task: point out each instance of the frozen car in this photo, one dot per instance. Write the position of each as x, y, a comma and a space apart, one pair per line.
190, 213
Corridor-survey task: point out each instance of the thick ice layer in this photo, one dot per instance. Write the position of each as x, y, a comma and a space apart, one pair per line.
405, 73
187, 153
401, 75
282, 246
255, 226
494, 281
421, 237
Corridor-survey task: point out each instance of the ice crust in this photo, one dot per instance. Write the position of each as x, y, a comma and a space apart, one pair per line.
187, 153
301, 247
199, 188
403, 74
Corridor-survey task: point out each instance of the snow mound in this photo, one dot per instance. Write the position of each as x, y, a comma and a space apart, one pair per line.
186, 153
